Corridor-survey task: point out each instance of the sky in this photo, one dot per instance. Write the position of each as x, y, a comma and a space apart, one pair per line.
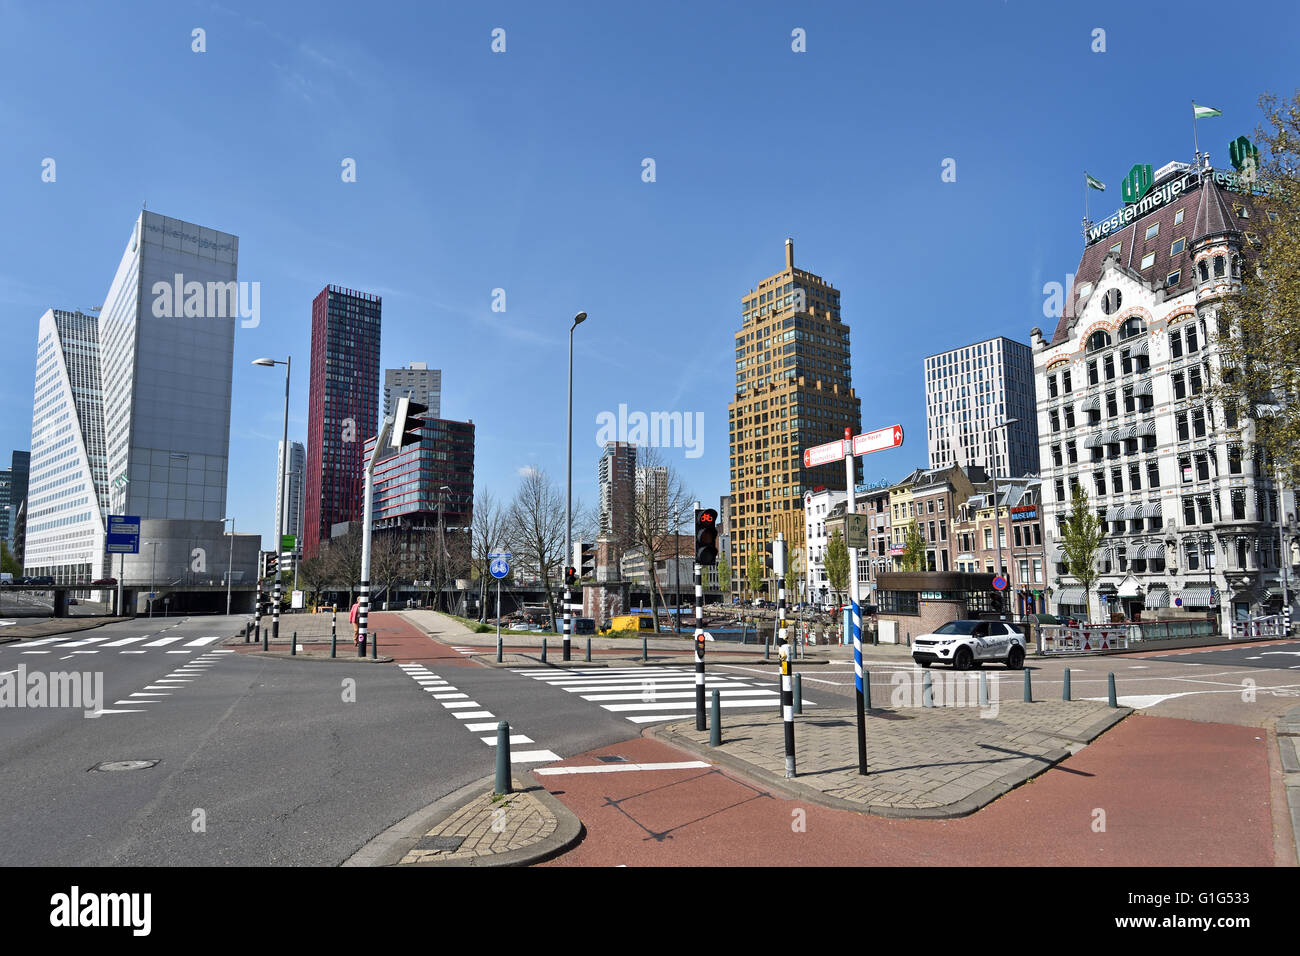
526, 171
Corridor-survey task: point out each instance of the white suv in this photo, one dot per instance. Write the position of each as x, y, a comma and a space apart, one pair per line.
969, 644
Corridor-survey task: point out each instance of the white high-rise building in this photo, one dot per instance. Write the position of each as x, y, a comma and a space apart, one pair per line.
417, 382
167, 336
68, 481
291, 522
972, 390
652, 486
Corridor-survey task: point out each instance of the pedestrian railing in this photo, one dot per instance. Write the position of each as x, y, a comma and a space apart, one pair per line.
1176, 630
1270, 625
1082, 639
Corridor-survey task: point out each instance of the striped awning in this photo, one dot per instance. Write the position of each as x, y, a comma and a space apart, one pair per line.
1147, 428
1115, 513
1091, 404
1141, 348
1157, 597
1058, 554
1071, 596
1095, 439
1151, 509
1144, 387
1153, 551
1267, 410
1125, 432
1195, 597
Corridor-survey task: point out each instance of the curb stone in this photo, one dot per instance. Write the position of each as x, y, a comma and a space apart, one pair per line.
389, 847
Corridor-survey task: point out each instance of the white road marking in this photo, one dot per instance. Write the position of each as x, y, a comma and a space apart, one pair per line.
43, 640
202, 641
476, 728
514, 739
163, 642
35, 652
533, 756
100, 713
473, 714
82, 643
451, 696
133, 652
661, 695
124, 641
624, 767
462, 703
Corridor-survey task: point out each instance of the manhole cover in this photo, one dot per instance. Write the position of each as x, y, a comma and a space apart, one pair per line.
448, 843
108, 766
612, 758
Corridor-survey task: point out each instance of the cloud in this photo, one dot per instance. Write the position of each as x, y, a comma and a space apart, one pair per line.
526, 471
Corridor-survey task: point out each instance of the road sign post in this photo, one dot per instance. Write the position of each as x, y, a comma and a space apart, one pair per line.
851, 446
123, 538
499, 566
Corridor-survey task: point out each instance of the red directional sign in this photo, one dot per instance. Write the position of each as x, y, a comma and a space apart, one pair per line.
879, 440
823, 454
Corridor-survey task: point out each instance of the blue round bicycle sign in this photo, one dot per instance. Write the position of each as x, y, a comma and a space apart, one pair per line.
499, 567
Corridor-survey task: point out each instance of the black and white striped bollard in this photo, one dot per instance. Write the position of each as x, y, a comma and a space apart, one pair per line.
363, 606
787, 708
700, 721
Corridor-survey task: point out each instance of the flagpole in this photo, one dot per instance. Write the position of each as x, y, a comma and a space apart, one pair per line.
1196, 139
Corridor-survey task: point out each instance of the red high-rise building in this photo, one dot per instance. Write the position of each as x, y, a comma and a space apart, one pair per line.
342, 408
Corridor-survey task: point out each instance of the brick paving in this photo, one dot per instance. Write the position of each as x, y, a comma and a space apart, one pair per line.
486, 826
922, 762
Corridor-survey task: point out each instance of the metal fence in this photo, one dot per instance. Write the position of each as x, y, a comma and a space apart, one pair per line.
1089, 638
1268, 626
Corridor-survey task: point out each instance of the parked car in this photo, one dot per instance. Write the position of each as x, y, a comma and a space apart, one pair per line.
44, 579
971, 644
104, 583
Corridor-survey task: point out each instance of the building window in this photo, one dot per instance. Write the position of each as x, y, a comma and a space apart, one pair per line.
1153, 230
1148, 260
1178, 218
1178, 246
1174, 277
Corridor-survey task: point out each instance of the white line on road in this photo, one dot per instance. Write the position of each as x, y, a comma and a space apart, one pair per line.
514, 739
473, 715
624, 767
163, 642
35, 652
462, 703
124, 641
202, 641
534, 756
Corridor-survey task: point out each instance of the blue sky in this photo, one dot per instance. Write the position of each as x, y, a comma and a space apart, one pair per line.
522, 171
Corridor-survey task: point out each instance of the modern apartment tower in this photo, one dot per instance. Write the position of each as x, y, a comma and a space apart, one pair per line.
290, 522
343, 408
167, 339
417, 382
793, 390
68, 482
19, 468
616, 475
969, 393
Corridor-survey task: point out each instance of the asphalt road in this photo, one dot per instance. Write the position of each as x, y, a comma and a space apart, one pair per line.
260, 761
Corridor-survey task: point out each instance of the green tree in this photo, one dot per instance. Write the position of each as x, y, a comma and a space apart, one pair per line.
8, 562
754, 573
1081, 538
913, 548
724, 573
837, 562
1260, 376
793, 568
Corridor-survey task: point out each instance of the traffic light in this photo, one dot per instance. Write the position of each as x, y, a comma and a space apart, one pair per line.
706, 537
776, 557
407, 423
586, 557
570, 576
270, 564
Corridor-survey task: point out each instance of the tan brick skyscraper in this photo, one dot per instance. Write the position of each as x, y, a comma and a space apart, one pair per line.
793, 390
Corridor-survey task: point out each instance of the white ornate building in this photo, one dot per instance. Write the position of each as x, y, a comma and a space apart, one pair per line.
1124, 409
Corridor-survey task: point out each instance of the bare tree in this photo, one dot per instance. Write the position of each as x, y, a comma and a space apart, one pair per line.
343, 561
535, 530
660, 505
389, 563
488, 536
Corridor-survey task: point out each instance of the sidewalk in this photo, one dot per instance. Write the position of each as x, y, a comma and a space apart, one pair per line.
53, 626
1288, 742
927, 762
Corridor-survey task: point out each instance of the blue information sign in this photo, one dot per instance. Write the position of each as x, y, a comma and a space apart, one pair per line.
123, 534
499, 567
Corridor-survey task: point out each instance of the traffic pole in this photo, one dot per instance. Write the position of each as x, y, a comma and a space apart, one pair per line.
503, 782
334, 632
1065, 691
275, 610
568, 623
855, 607
257, 609
715, 726
700, 722
499, 647
787, 709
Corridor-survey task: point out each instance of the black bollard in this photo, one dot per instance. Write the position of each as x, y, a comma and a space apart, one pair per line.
866, 689
543, 650
588, 650
1065, 691
798, 693
715, 727
1029, 692
1110, 682
503, 784
293, 645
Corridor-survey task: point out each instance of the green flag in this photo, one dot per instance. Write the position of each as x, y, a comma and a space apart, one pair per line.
1203, 112
1094, 183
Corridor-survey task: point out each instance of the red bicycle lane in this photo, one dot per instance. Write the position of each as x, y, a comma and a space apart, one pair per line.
1151, 792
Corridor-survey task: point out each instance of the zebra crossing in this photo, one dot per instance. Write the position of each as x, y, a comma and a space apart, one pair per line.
157, 691
124, 645
472, 716
648, 695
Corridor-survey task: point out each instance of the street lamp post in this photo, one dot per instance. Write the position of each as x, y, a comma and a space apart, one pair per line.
230, 563
442, 547
997, 510
281, 518
153, 568
568, 492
